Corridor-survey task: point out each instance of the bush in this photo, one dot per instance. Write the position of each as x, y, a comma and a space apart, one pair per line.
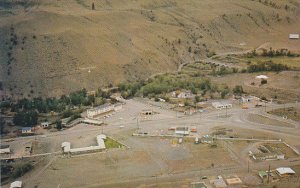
263, 81
21, 170
238, 90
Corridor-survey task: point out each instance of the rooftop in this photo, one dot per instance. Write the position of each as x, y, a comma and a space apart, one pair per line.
285, 170
16, 184
4, 146
26, 128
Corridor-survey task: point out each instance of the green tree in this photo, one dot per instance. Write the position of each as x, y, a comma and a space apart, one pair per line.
238, 90
59, 125
26, 118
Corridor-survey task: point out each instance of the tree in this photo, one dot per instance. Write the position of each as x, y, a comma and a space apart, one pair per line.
263, 81
26, 119
2, 122
238, 90
59, 125
21, 170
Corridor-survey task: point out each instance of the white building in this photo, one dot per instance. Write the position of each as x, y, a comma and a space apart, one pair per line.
91, 121
221, 105
262, 77
285, 171
294, 36
27, 130
66, 146
182, 131
4, 149
105, 108
45, 124
16, 184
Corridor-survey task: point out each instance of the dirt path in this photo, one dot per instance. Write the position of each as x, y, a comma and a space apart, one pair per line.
211, 60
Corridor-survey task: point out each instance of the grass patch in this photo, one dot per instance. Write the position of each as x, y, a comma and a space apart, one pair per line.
267, 121
293, 62
291, 113
110, 143
82, 3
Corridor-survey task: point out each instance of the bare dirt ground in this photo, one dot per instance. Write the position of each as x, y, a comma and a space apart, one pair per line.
151, 161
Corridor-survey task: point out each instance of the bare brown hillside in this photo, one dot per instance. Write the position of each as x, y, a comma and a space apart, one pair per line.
52, 47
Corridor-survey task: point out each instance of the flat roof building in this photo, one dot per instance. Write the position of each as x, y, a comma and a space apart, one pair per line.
182, 131
66, 146
27, 130
293, 36
221, 105
105, 108
285, 171
4, 149
16, 184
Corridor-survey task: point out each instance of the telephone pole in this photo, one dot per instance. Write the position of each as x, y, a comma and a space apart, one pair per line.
269, 174
248, 167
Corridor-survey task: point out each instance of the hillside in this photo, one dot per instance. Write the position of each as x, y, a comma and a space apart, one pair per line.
52, 47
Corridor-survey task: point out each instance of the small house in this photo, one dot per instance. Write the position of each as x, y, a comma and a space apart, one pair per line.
16, 184
182, 131
4, 149
285, 171
27, 130
234, 181
262, 174
221, 105
198, 185
219, 183
294, 36
45, 124
185, 94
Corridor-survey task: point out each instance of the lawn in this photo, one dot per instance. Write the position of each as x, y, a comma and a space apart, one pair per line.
110, 143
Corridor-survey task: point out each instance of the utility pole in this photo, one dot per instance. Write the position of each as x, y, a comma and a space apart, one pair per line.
137, 123
265, 106
226, 111
269, 174
248, 167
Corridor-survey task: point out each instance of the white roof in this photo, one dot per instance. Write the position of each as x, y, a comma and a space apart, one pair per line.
92, 121
262, 77
66, 146
285, 170
102, 136
16, 184
294, 36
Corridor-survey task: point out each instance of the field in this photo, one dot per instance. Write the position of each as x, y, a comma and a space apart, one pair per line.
267, 121
290, 113
284, 85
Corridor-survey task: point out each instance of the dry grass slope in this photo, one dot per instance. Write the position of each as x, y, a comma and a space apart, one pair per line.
50, 47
